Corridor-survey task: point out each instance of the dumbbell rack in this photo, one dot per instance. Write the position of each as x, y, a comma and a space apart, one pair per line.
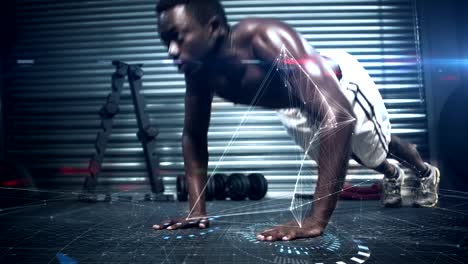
146, 134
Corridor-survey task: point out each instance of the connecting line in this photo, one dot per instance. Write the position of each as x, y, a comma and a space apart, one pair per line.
277, 210
19, 242
32, 190
234, 136
326, 133
311, 202
452, 211
319, 198
49, 191
257, 204
243, 213
299, 178
284, 50
447, 190
244, 117
329, 117
17, 209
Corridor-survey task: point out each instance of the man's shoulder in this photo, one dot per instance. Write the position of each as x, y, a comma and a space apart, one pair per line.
269, 35
246, 28
250, 27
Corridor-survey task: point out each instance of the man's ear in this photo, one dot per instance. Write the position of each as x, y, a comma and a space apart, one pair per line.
215, 27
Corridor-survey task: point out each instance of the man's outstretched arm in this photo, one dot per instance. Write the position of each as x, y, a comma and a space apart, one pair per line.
320, 94
195, 151
195, 145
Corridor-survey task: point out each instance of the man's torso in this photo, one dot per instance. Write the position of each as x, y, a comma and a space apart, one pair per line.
241, 78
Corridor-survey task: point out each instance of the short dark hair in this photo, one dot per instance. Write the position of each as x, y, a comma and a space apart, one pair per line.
202, 10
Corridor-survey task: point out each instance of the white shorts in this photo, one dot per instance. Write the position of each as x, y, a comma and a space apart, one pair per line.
372, 131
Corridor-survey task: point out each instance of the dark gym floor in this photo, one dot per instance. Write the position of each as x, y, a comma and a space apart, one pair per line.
62, 230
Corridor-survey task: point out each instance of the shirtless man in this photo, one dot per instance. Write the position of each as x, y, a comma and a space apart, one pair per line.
212, 56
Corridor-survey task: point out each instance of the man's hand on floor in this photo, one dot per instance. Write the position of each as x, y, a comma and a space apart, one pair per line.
183, 222
291, 231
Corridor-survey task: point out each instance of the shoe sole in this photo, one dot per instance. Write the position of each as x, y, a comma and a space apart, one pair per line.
437, 172
392, 205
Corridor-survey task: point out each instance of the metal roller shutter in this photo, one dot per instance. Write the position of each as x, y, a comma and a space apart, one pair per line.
52, 104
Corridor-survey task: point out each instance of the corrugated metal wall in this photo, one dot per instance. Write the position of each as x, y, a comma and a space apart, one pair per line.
52, 104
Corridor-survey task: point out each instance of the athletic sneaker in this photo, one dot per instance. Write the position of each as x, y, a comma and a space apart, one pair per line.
392, 189
428, 188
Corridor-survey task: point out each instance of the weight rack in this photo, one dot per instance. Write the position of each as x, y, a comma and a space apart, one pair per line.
146, 134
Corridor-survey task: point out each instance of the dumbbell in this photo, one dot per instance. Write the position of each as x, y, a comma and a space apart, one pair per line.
237, 187
258, 186
219, 180
253, 186
182, 189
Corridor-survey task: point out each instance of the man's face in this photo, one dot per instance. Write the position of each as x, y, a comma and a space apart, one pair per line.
186, 39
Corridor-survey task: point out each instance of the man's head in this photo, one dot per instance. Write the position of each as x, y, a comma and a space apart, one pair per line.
191, 29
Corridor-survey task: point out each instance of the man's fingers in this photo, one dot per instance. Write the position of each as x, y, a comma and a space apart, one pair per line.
288, 236
163, 225
266, 235
276, 234
187, 224
182, 223
203, 223
287, 233
269, 232
177, 225
279, 235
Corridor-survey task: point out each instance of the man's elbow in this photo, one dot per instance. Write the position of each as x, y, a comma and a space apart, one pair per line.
346, 122
194, 139
343, 115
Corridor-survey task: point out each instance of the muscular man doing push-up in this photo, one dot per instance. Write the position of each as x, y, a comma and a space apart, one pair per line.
337, 92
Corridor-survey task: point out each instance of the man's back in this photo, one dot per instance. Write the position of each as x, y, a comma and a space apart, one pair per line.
239, 75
